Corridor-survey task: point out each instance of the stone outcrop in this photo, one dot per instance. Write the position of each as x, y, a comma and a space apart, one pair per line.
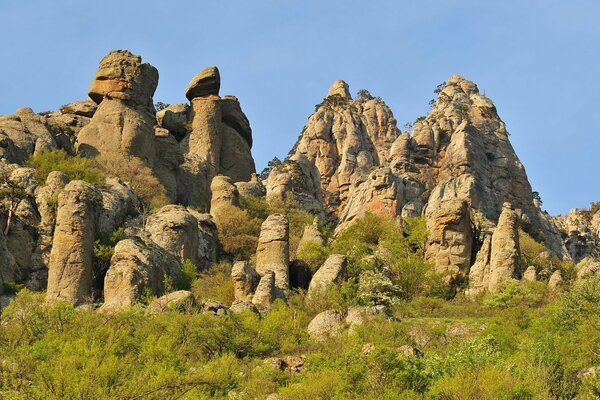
174, 118
331, 272
72, 257
180, 300
530, 274
245, 280
450, 238
498, 258
312, 234
273, 251
266, 291
218, 141
344, 138
123, 124
184, 234
325, 325
251, 188
556, 280
224, 193
22, 135
138, 267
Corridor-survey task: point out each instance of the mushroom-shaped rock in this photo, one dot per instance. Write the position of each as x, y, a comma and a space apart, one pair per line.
331, 272
207, 82
122, 72
339, 88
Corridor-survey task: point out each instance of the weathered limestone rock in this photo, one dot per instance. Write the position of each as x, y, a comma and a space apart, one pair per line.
118, 203
359, 315
312, 234
245, 280
224, 193
235, 160
72, 257
123, 124
240, 306
450, 237
339, 88
174, 229
138, 266
331, 272
215, 308
22, 135
180, 300
498, 258
530, 274
252, 188
325, 325
343, 139
175, 119
265, 292
206, 83
208, 240
504, 260
166, 166
556, 280
587, 267
273, 252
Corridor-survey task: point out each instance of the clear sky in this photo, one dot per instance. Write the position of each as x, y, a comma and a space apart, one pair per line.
538, 60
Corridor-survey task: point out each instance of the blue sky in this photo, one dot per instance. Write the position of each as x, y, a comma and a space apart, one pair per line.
537, 60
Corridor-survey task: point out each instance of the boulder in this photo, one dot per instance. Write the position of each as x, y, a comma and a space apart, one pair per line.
224, 193
181, 300
215, 308
450, 238
332, 272
272, 253
71, 267
206, 83
240, 306
245, 280
358, 315
175, 119
252, 188
587, 267
530, 274
138, 268
556, 280
265, 292
325, 325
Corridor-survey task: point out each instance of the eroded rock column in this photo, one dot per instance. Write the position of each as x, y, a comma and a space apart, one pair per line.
72, 256
273, 251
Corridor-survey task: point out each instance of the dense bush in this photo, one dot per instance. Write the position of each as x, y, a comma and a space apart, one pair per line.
74, 167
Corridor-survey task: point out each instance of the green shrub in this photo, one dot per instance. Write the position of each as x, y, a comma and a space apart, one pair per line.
187, 276
313, 254
75, 167
214, 284
11, 287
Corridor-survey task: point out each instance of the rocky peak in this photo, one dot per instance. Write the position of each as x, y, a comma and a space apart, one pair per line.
340, 88
122, 74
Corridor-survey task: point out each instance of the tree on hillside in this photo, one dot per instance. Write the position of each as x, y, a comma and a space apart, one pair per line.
11, 193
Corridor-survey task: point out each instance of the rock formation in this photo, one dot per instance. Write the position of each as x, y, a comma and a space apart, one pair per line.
498, 259
273, 251
245, 280
72, 256
266, 291
331, 272
123, 124
450, 238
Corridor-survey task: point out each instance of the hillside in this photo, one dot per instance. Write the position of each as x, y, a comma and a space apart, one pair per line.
142, 256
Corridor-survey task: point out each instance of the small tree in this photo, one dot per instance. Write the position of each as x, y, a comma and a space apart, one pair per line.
12, 192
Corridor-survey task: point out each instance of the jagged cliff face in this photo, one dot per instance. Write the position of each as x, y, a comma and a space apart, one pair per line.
457, 169
351, 158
